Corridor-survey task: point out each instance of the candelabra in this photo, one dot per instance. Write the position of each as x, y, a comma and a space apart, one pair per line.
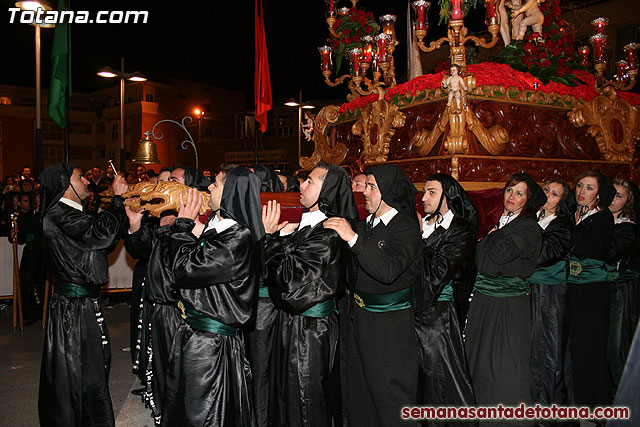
457, 33
373, 52
627, 69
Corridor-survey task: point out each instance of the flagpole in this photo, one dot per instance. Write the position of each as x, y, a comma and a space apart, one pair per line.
37, 164
67, 92
255, 141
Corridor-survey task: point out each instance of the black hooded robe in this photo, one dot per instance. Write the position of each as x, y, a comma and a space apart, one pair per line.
306, 271
382, 349
208, 382
444, 378
74, 388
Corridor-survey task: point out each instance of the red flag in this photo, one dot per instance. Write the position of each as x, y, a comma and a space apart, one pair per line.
262, 83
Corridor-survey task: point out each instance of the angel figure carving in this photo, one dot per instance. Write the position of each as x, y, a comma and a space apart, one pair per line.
533, 17
456, 86
307, 126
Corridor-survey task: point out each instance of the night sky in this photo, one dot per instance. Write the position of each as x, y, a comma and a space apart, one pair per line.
210, 42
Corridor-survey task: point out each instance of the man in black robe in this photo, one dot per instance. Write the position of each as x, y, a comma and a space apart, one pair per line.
448, 241
150, 240
306, 271
74, 376
216, 274
382, 352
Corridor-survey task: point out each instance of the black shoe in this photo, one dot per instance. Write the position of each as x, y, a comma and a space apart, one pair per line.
138, 391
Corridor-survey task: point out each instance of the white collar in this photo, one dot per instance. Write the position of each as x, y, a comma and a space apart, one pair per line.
505, 219
444, 222
71, 203
311, 219
386, 218
219, 225
623, 219
588, 214
544, 222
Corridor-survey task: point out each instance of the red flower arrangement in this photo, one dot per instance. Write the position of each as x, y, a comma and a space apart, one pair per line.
352, 27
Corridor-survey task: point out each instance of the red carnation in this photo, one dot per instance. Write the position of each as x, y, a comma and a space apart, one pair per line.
336, 43
356, 39
353, 18
347, 40
346, 31
362, 21
361, 14
369, 15
368, 29
546, 63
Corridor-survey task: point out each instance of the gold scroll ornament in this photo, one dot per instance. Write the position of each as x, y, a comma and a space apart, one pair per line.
323, 151
161, 197
376, 125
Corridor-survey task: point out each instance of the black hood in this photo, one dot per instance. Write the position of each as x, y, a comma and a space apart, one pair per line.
458, 200
336, 197
606, 191
396, 188
241, 201
633, 188
568, 205
538, 198
292, 183
54, 181
195, 179
269, 180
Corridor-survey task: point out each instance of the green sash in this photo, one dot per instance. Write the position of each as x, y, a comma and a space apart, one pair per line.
29, 238
73, 290
447, 293
263, 291
376, 303
197, 320
502, 287
322, 309
555, 274
587, 270
626, 275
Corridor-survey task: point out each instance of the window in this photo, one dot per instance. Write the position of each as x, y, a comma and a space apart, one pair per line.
206, 132
80, 128
149, 97
52, 131
5, 100
114, 131
101, 128
52, 154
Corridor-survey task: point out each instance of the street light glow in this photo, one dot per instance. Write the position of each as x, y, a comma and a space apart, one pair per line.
137, 77
107, 72
33, 5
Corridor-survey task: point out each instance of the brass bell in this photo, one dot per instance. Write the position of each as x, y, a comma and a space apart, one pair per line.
147, 152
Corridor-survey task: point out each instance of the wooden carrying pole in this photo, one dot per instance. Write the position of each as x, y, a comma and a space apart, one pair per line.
17, 297
45, 303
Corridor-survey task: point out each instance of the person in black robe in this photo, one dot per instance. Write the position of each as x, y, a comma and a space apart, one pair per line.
448, 238
74, 388
498, 333
153, 242
382, 350
624, 246
270, 182
305, 272
216, 275
550, 383
589, 290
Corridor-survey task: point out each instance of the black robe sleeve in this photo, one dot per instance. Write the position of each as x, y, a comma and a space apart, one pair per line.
441, 263
557, 240
387, 262
623, 242
309, 268
140, 243
593, 236
199, 263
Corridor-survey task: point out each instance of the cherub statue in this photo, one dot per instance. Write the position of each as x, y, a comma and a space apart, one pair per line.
307, 126
533, 17
503, 21
456, 86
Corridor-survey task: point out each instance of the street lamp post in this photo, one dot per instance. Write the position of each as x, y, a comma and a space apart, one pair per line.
293, 103
199, 113
135, 77
34, 6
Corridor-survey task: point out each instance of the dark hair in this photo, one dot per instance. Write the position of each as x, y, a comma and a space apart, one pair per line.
165, 169
459, 68
628, 210
226, 168
566, 190
527, 211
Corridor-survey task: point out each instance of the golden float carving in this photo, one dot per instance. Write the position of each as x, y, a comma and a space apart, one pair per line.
614, 123
323, 152
376, 127
161, 197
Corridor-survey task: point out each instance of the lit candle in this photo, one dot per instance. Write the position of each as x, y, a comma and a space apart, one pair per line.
354, 57
456, 12
631, 50
421, 7
343, 11
622, 70
598, 42
491, 12
381, 40
600, 24
367, 49
325, 55
388, 22
584, 53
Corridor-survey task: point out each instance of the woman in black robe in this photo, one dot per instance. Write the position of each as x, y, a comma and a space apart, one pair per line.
624, 261
498, 334
549, 339
216, 275
448, 239
589, 290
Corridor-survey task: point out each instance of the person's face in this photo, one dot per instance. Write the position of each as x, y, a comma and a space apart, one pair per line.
10, 181
26, 185
515, 197
372, 195
177, 175
25, 203
554, 192
586, 191
454, 71
144, 177
207, 174
140, 170
16, 202
215, 189
359, 183
310, 189
26, 172
80, 183
620, 199
164, 176
431, 198
96, 173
